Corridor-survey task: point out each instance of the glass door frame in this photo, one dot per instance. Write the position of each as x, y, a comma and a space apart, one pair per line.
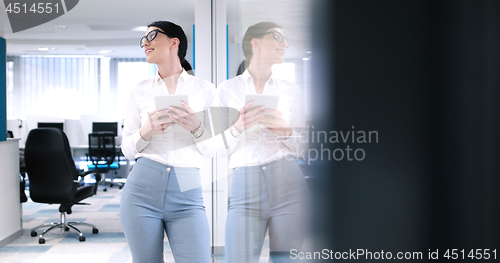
210, 34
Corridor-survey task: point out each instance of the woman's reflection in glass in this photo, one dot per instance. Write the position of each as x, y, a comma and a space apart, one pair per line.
268, 188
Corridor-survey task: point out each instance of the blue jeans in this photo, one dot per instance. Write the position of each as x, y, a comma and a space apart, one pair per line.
152, 203
266, 196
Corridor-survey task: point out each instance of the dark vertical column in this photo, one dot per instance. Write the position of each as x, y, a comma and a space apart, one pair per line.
491, 127
457, 177
381, 82
3, 90
425, 76
466, 125
322, 112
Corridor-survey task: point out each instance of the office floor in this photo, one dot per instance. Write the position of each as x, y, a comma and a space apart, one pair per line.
108, 246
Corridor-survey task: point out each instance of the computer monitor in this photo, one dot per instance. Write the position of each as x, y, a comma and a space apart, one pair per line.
59, 125
105, 126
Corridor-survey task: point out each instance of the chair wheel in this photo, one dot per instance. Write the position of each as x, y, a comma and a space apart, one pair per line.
105, 189
110, 185
95, 230
121, 186
41, 240
66, 228
81, 238
34, 233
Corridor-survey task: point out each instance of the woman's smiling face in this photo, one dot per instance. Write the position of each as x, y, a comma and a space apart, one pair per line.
160, 48
269, 48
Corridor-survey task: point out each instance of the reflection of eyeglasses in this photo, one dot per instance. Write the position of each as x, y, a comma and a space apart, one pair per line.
278, 36
151, 36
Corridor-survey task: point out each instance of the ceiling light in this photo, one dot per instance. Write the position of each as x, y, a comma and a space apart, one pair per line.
60, 27
105, 51
140, 28
43, 49
62, 56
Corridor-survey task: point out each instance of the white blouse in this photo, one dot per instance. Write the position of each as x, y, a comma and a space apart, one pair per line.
176, 146
257, 145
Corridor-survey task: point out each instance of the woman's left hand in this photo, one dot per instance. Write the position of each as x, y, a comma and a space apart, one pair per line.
274, 121
186, 120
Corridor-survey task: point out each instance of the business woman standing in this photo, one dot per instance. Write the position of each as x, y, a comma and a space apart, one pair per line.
163, 190
268, 191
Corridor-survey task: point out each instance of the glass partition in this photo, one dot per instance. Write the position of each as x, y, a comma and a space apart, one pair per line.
260, 195
258, 168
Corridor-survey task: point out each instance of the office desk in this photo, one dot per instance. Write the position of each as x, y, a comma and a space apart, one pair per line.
79, 153
77, 150
10, 217
82, 150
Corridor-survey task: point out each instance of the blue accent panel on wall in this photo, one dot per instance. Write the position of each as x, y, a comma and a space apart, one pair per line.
3, 90
227, 52
194, 48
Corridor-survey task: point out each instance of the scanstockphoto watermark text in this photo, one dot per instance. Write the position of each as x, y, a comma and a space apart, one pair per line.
433, 254
342, 145
355, 254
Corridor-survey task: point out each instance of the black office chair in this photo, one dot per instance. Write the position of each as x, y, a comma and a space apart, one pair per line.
53, 177
102, 153
22, 176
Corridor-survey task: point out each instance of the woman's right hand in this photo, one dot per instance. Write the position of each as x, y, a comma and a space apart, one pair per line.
248, 119
157, 123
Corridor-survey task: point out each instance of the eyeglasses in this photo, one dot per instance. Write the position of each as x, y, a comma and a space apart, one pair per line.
278, 36
151, 36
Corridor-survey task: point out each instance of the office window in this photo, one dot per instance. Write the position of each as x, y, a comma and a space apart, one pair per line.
10, 87
68, 87
129, 72
63, 87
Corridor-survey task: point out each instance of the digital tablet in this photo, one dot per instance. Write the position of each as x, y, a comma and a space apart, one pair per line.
268, 101
162, 102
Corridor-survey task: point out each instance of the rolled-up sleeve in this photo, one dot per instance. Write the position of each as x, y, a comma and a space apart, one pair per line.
206, 143
227, 143
132, 142
298, 140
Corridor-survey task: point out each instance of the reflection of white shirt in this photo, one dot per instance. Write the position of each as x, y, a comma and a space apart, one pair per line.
176, 146
257, 145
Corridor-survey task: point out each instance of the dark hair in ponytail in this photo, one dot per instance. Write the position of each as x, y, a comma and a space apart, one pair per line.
187, 67
256, 31
175, 31
241, 68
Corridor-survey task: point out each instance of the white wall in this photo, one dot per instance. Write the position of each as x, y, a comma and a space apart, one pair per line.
10, 205
86, 126
29, 123
76, 130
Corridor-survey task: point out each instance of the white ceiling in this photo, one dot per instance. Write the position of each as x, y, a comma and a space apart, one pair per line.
294, 17
94, 25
